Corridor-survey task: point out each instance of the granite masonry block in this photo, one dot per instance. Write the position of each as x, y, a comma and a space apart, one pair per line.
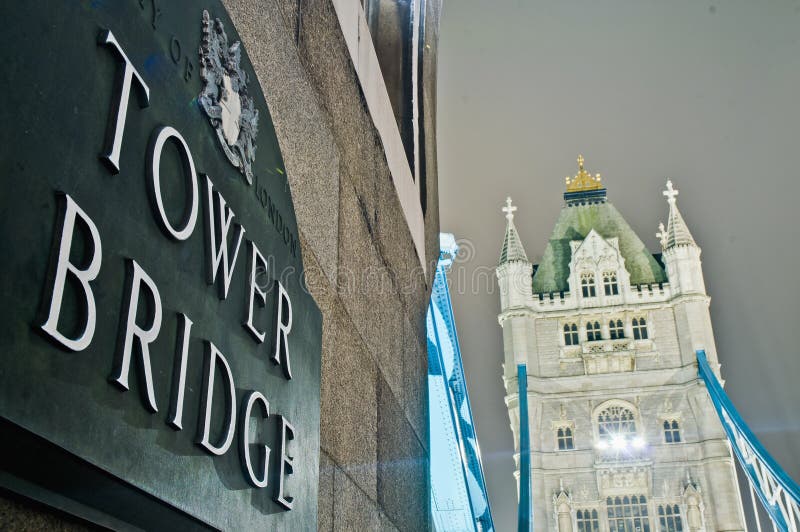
323, 49
291, 11
325, 507
315, 281
307, 143
368, 291
353, 509
415, 381
29, 516
348, 424
402, 466
396, 248
385, 524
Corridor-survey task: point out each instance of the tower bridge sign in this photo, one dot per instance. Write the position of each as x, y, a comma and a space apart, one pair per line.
159, 355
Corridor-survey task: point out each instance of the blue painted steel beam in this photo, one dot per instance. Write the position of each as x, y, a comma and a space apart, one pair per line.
525, 511
778, 493
458, 488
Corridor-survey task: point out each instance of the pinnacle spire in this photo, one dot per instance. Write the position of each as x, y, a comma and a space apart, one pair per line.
512, 245
676, 232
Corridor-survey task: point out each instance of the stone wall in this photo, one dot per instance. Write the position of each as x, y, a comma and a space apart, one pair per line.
360, 262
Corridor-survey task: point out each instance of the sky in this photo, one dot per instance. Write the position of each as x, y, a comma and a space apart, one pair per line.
707, 94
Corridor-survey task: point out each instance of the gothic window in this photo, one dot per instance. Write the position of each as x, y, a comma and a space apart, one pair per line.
616, 421
593, 331
672, 432
616, 329
588, 521
564, 439
610, 285
571, 334
587, 285
639, 329
628, 514
669, 517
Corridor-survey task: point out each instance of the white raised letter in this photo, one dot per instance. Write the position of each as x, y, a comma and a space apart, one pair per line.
212, 357
157, 141
255, 259
122, 365
116, 124
244, 440
218, 224
179, 373
286, 464
284, 325
63, 266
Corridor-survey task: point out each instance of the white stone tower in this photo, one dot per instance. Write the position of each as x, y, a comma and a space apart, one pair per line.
624, 437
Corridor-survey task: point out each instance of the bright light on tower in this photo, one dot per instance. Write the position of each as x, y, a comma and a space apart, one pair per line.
638, 443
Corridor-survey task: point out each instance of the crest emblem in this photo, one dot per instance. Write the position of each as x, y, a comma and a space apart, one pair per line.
224, 97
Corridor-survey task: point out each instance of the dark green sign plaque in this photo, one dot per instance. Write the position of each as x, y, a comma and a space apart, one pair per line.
159, 353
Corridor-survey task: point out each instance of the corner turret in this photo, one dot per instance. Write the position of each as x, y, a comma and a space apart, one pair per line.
680, 252
514, 271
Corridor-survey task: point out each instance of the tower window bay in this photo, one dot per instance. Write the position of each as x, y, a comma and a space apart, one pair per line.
616, 329
639, 329
610, 286
587, 285
571, 334
616, 421
564, 439
628, 514
593, 331
672, 432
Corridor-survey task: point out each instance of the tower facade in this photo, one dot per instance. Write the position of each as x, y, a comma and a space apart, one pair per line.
623, 436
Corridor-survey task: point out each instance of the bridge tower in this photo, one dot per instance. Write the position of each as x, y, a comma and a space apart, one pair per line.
623, 436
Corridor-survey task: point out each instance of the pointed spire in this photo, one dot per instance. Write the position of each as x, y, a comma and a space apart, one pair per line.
676, 233
512, 245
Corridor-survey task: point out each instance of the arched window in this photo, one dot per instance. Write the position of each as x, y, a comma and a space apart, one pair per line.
616, 329
610, 285
593, 331
672, 431
669, 517
628, 514
588, 521
564, 439
571, 334
616, 422
639, 329
587, 285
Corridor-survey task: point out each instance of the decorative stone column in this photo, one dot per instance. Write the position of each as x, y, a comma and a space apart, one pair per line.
694, 508
563, 504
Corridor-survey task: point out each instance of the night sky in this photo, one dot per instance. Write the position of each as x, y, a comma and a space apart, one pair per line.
705, 94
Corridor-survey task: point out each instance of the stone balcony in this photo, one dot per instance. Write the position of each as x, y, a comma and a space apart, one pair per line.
608, 356
624, 478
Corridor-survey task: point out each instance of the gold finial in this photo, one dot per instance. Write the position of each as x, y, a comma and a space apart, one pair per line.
583, 180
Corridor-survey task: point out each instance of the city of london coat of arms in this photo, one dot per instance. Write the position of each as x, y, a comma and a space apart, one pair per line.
224, 96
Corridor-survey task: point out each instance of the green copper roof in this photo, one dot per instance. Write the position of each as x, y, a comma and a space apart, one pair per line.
574, 223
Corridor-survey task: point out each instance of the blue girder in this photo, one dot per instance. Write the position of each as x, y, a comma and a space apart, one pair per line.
459, 500
778, 493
